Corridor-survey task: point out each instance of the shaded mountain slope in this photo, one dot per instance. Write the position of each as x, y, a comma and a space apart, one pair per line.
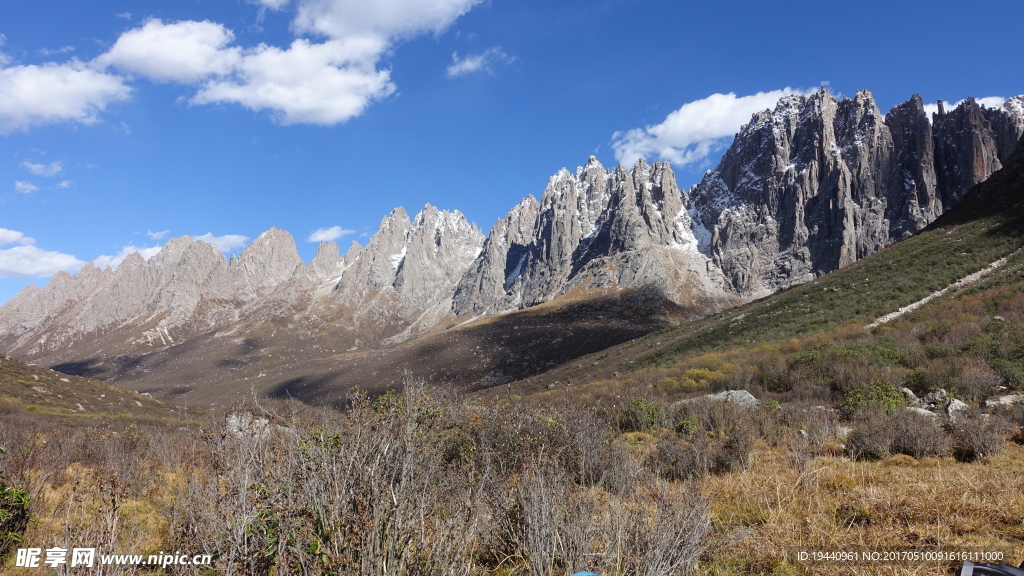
489, 352
35, 390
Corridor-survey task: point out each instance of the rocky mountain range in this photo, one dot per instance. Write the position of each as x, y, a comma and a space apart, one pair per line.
805, 189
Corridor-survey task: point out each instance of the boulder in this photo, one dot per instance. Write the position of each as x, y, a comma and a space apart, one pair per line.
741, 397
934, 399
244, 424
911, 398
1007, 400
921, 411
955, 409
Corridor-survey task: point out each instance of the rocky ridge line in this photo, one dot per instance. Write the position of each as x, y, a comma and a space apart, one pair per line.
806, 188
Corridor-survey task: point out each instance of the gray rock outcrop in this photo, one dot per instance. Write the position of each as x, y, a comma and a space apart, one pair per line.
1005, 400
816, 183
972, 142
594, 230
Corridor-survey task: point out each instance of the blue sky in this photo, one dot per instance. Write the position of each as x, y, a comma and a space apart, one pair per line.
125, 123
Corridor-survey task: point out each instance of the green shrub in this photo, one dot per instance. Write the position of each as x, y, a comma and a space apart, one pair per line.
1011, 370
639, 415
875, 395
388, 402
687, 425
14, 504
888, 352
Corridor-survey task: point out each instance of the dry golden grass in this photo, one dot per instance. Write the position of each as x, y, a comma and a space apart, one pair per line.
765, 514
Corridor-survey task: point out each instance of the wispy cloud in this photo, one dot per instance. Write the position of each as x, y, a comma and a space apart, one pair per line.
226, 243
477, 62
27, 260
328, 234
156, 235
271, 4
25, 187
65, 184
114, 261
696, 130
51, 169
54, 52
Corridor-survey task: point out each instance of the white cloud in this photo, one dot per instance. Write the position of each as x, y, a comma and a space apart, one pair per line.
114, 261
691, 133
385, 19
226, 243
328, 234
125, 15
51, 169
28, 260
987, 101
308, 83
990, 101
13, 236
476, 62
185, 52
33, 95
156, 235
25, 187
64, 184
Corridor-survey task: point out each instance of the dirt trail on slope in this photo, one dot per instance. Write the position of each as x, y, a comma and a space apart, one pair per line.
961, 283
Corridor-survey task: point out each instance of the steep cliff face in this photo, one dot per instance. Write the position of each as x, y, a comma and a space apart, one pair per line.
594, 229
972, 142
816, 183
914, 201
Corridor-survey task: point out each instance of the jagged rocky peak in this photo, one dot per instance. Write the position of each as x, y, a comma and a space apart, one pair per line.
818, 183
500, 261
33, 305
915, 199
267, 261
439, 246
1007, 123
328, 263
420, 259
973, 141
593, 229
780, 203
376, 264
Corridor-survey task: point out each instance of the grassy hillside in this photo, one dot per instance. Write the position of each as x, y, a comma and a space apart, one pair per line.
37, 391
986, 226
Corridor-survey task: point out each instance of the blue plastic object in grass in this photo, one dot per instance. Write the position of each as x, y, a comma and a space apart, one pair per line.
585, 573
